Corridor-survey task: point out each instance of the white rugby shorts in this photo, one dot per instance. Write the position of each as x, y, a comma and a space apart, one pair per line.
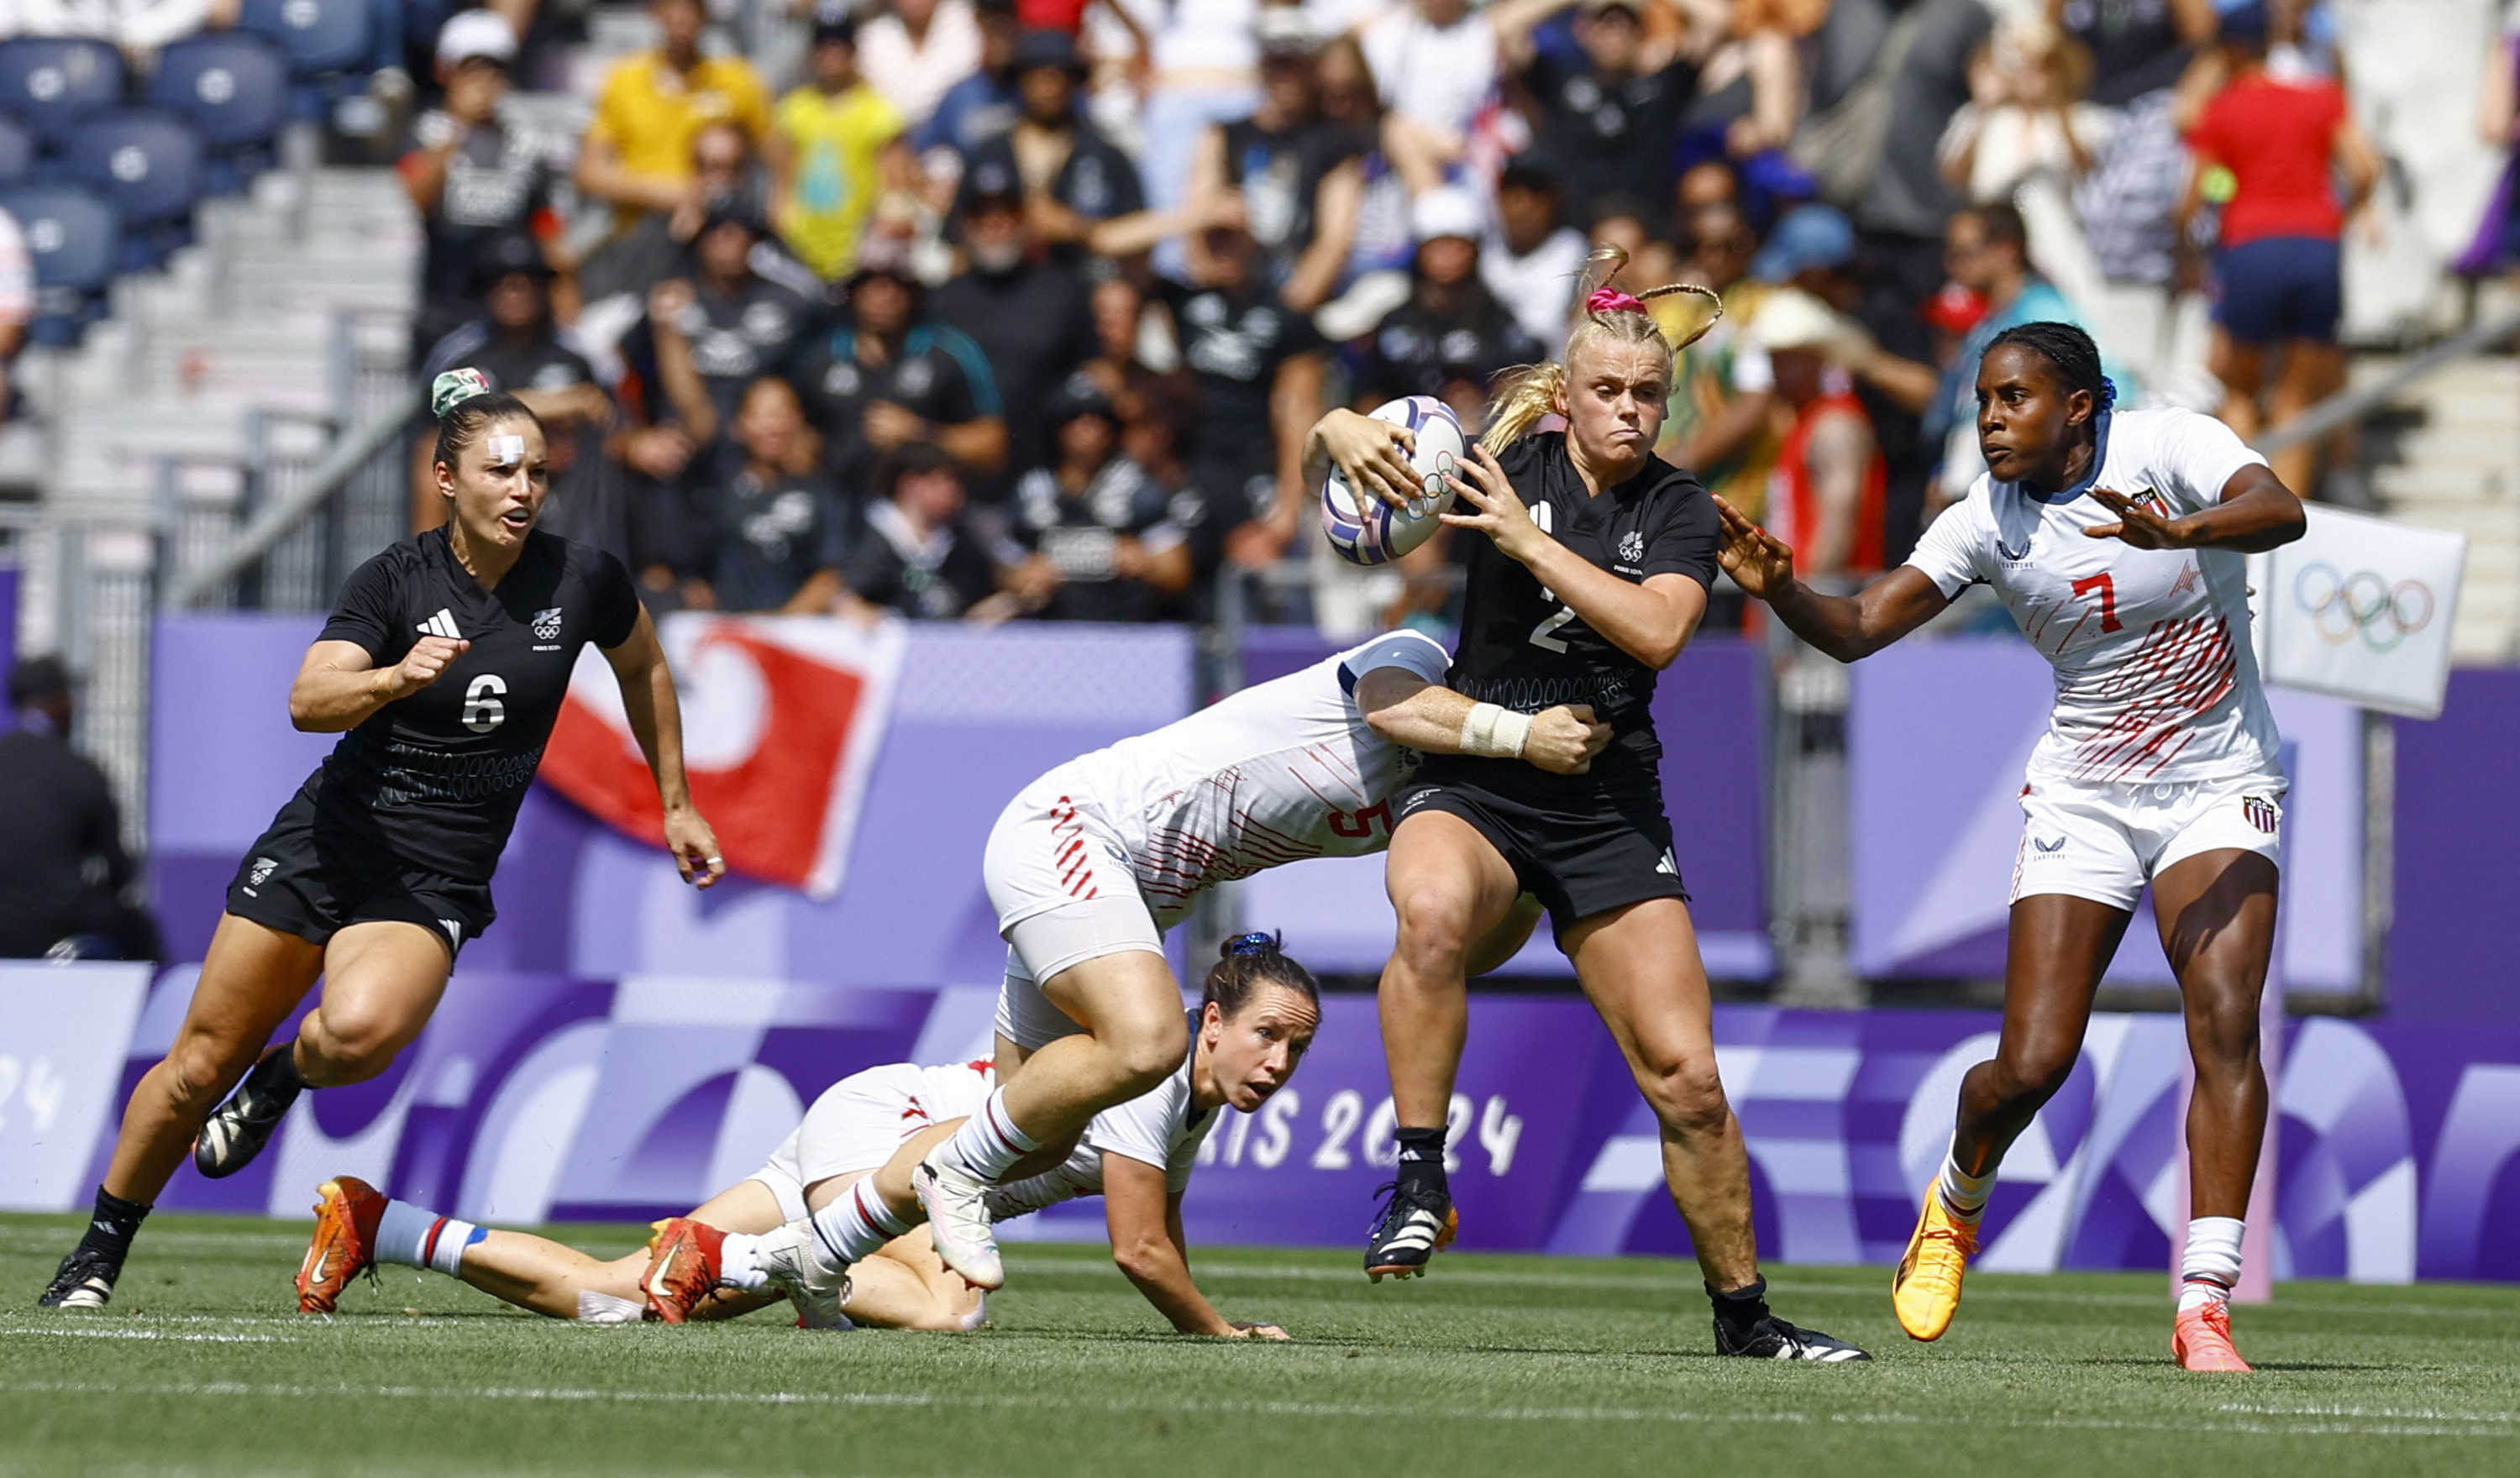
2103, 841
1064, 892
858, 1122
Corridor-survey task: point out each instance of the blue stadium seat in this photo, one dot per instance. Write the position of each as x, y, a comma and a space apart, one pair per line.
232, 85
147, 161
319, 36
17, 150
74, 234
49, 81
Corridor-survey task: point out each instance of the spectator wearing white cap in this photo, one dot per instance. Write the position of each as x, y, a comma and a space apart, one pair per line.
1827, 493
474, 178
1451, 336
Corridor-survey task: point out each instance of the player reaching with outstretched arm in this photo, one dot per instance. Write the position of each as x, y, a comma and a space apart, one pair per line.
2116, 540
1592, 578
1255, 1020
443, 667
1089, 865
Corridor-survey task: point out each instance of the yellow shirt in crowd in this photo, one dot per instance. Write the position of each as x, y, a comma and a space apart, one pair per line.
837, 143
650, 112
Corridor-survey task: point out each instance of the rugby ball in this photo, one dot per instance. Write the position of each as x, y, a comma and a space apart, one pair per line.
1369, 531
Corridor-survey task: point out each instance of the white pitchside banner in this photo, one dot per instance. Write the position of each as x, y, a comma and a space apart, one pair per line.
64, 1030
2360, 608
782, 719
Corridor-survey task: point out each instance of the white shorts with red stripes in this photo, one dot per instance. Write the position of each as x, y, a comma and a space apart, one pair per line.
1064, 892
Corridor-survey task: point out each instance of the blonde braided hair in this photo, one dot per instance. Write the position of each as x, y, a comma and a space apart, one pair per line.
1523, 395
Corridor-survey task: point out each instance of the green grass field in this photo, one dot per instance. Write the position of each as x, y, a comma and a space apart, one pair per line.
1494, 1365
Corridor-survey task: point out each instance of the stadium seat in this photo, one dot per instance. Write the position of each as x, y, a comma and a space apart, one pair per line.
318, 36
50, 80
234, 88
74, 234
148, 162
17, 150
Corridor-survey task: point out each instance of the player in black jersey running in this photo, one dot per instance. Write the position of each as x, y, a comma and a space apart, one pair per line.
1593, 577
443, 667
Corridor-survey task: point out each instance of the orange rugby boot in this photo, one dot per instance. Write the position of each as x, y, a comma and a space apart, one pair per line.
2202, 1339
1927, 1290
346, 1209
682, 1267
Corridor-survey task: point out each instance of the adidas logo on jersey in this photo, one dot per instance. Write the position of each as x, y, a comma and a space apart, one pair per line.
441, 624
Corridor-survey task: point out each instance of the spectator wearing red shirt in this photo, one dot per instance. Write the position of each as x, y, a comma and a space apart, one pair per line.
2277, 145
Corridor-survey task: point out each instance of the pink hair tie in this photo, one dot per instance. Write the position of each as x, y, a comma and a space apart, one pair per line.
1612, 300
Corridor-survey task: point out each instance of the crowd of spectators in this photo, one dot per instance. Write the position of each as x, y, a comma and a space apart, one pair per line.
996, 308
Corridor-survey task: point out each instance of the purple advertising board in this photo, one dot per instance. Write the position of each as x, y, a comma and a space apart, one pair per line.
537, 1096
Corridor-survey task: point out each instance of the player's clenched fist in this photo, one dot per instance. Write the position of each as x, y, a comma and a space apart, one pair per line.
1563, 740
423, 664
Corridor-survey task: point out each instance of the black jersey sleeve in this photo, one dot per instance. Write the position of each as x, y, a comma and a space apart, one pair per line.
367, 611
616, 599
1685, 535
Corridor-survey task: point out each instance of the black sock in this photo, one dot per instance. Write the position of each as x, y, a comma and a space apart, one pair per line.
1740, 1309
1421, 1158
276, 1075
112, 1225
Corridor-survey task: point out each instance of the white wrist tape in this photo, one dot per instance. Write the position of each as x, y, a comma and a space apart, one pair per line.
1494, 731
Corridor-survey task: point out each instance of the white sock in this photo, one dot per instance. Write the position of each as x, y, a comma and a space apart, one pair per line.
988, 1143
734, 1263
1964, 1195
852, 1228
415, 1236
2211, 1265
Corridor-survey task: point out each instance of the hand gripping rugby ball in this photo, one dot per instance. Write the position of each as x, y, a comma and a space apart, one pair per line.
1375, 532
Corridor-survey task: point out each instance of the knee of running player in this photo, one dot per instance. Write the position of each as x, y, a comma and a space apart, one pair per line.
2221, 1028
200, 1068
2020, 1079
350, 1040
1435, 928
1686, 1091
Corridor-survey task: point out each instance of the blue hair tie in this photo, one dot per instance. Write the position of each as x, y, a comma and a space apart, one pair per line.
2108, 395
1252, 944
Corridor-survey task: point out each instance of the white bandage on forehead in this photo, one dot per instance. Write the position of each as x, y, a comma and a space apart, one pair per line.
506, 451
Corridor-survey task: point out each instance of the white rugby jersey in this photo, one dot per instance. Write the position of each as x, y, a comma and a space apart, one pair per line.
2156, 680
1161, 1128
1274, 773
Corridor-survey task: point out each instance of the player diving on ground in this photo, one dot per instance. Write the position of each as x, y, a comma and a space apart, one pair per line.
2115, 539
442, 667
1256, 1019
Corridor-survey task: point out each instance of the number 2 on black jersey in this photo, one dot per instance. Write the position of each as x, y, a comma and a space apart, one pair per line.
1543, 635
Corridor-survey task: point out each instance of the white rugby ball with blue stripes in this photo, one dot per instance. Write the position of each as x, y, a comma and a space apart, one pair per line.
1375, 532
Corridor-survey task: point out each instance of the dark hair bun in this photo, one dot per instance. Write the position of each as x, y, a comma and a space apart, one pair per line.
1252, 945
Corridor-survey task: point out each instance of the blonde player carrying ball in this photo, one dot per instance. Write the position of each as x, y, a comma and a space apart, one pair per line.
2115, 539
1590, 577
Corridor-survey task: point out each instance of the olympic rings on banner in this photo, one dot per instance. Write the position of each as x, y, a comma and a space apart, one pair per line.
2362, 603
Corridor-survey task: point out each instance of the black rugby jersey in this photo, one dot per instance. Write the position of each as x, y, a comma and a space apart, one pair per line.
435, 778
1522, 648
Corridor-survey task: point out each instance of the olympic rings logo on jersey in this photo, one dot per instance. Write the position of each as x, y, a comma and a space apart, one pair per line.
2363, 604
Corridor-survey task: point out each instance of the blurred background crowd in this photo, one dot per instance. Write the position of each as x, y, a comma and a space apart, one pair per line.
1018, 308
984, 309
